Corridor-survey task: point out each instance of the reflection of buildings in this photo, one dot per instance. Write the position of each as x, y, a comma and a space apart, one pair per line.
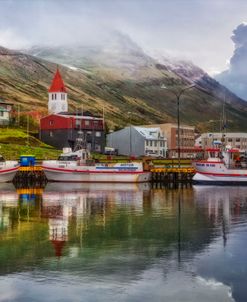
57, 214
63, 205
8, 200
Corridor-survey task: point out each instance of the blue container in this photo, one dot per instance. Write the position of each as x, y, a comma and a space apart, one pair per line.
27, 160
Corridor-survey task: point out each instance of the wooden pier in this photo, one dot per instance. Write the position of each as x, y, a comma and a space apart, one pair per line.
30, 176
166, 175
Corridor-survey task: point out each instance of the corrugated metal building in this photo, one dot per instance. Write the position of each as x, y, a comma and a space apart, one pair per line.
138, 141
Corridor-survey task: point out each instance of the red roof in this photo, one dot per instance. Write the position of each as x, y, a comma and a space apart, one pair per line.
57, 83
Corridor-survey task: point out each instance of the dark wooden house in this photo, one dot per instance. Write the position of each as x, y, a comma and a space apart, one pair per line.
61, 130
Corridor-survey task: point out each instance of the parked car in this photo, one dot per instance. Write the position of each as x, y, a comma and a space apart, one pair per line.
110, 151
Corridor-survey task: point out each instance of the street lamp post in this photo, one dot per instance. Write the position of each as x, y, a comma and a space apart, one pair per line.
178, 95
130, 138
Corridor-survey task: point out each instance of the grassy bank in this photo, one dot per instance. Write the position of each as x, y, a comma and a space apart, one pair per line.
15, 142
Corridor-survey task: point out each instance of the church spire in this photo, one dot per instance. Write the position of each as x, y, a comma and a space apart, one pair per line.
57, 95
57, 84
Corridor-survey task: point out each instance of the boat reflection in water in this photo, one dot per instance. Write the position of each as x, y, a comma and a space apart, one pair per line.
225, 261
62, 202
8, 200
123, 242
222, 202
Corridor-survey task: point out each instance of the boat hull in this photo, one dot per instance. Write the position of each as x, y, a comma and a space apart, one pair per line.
217, 172
111, 177
7, 175
212, 179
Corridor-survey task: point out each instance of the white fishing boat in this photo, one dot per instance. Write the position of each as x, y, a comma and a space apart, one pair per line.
221, 166
8, 169
77, 166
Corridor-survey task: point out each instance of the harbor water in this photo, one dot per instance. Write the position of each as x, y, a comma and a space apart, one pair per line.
113, 242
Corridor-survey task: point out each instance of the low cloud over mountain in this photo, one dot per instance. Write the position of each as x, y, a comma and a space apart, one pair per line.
235, 78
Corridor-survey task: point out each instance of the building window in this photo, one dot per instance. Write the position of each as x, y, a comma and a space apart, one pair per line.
87, 123
237, 139
229, 140
78, 123
51, 134
1, 113
98, 134
151, 143
155, 143
51, 122
97, 148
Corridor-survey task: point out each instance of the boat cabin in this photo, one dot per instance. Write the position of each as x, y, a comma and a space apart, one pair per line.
81, 155
232, 158
214, 154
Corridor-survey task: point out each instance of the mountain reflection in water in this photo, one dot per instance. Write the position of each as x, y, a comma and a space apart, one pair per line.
127, 242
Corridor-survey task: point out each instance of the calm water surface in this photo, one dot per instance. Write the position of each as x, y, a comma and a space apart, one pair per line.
123, 243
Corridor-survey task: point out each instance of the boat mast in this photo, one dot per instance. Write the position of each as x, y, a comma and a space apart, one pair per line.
80, 142
223, 124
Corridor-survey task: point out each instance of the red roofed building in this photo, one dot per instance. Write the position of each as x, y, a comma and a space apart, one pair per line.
61, 128
57, 95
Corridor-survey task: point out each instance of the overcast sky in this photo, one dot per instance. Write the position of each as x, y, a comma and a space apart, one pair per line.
199, 30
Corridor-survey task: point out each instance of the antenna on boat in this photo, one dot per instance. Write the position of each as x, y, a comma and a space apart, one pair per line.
223, 124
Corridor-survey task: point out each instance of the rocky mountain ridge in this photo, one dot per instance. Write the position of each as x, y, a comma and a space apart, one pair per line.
124, 80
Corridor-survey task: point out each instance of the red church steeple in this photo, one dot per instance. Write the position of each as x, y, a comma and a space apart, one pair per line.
57, 83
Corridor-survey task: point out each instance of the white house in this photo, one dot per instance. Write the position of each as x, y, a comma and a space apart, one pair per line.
5, 112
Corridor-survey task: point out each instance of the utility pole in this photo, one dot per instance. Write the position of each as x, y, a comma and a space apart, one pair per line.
178, 94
